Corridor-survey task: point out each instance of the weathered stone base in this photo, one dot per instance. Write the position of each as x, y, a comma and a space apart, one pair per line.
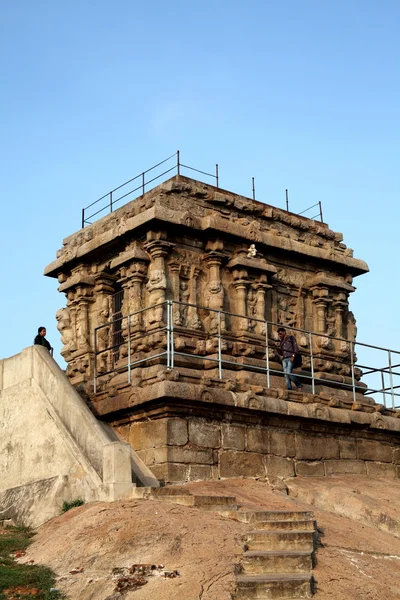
186, 434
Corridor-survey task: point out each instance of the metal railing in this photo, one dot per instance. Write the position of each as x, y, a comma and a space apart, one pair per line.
314, 206
356, 374
140, 184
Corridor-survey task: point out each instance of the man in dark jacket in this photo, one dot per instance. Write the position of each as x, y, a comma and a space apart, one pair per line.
40, 340
288, 350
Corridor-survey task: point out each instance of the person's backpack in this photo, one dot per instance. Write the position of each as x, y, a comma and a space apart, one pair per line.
297, 361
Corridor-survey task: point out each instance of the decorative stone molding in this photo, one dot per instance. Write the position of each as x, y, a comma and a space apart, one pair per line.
209, 249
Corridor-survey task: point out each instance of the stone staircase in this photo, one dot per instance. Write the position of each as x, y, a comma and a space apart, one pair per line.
277, 560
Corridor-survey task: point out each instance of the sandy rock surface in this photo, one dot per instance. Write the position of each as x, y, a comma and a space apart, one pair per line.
92, 548
86, 545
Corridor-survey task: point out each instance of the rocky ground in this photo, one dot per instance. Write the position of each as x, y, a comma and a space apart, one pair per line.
190, 554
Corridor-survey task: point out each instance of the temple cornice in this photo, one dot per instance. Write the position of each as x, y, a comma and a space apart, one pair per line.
213, 224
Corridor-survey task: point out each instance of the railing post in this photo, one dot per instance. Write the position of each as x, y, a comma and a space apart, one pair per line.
219, 346
83, 218
311, 362
217, 175
168, 336
171, 320
391, 377
287, 200
383, 387
111, 202
178, 164
95, 363
352, 370
129, 349
143, 183
267, 353
320, 211
254, 189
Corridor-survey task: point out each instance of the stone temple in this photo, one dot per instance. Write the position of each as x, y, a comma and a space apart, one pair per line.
170, 334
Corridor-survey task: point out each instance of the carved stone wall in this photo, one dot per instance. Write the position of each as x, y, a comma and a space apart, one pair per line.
211, 250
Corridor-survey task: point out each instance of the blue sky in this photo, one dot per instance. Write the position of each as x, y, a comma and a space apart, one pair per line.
300, 95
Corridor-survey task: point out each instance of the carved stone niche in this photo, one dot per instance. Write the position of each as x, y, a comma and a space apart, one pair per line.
158, 248
251, 275
184, 278
330, 298
101, 313
132, 265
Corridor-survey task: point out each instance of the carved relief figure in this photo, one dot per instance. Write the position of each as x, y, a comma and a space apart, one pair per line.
252, 307
351, 327
286, 315
184, 297
82, 328
331, 322
103, 334
252, 252
156, 286
215, 301
64, 327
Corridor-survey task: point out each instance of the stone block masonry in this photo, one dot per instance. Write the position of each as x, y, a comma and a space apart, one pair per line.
226, 265
230, 442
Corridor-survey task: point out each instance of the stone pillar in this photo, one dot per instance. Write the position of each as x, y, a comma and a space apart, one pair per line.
82, 323
339, 306
137, 273
320, 301
241, 298
214, 290
125, 310
323, 341
156, 285
261, 289
240, 282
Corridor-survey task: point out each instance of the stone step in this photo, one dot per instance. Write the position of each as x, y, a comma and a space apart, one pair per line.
287, 585
308, 525
283, 561
254, 517
204, 502
261, 539
170, 490
143, 492
282, 515
215, 502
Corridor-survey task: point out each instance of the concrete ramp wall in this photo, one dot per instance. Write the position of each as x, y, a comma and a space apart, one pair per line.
52, 447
